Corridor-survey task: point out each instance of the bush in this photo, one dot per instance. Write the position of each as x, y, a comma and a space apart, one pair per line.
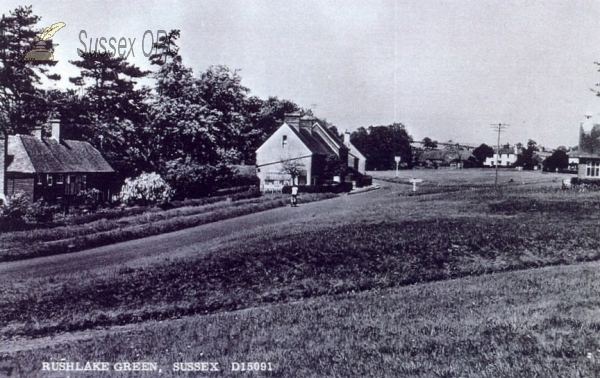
88, 199
146, 189
190, 180
17, 206
20, 211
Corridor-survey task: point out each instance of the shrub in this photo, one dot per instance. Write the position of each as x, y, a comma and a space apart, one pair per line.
40, 212
190, 180
88, 199
17, 206
146, 189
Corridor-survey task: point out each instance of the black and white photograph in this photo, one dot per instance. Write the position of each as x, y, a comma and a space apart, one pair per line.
311, 188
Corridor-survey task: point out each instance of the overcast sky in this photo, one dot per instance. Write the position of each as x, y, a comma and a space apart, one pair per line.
445, 69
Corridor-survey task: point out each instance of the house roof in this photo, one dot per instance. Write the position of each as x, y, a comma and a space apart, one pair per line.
314, 139
30, 154
507, 151
445, 154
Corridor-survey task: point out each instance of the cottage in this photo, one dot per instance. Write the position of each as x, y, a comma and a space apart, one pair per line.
304, 143
51, 168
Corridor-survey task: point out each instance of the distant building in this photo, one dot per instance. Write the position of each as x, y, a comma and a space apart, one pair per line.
506, 157
451, 156
51, 168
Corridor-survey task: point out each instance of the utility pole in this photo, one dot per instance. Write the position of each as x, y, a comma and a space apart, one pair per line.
498, 127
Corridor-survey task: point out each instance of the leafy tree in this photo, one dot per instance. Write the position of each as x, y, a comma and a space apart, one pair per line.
181, 123
429, 144
589, 141
380, 144
483, 152
293, 167
225, 96
558, 160
333, 166
22, 104
526, 159
111, 113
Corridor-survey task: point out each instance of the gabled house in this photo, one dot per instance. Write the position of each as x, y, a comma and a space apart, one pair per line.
303, 142
51, 168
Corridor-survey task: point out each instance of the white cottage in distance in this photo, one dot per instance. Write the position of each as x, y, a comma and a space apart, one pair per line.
303, 141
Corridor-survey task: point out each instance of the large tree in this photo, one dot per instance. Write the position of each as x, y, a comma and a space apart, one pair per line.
112, 111
380, 144
22, 102
483, 152
526, 159
558, 160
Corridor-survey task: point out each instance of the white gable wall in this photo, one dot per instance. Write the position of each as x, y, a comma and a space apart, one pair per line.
271, 154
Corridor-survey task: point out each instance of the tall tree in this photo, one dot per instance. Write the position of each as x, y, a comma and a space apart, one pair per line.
22, 103
380, 144
223, 93
483, 152
429, 144
112, 111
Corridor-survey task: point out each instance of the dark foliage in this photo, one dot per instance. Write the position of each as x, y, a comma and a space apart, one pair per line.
483, 152
332, 188
558, 160
380, 144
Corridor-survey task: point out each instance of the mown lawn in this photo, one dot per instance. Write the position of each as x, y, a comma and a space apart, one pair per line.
406, 286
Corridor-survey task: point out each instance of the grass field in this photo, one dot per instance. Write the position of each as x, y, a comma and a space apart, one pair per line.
474, 282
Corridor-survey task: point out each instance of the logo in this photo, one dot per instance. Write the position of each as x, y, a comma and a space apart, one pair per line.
40, 53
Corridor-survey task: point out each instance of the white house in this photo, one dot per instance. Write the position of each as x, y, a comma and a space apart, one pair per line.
303, 142
507, 157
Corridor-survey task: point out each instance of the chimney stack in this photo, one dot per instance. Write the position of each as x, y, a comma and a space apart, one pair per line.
37, 131
346, 137
55, 127
293, 119
306, 122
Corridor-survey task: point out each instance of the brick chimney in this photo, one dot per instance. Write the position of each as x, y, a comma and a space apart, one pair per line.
306, 122
55, 127
346, 137
293, 119
37, 131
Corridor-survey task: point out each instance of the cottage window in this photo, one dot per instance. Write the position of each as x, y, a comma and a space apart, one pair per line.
284, 141
39, 179
49, 179
60, 179
592, 169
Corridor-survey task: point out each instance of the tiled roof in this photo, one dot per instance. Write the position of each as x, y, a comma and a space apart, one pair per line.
314, 141
47, 155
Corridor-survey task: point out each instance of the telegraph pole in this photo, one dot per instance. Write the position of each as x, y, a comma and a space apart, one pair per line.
498, 127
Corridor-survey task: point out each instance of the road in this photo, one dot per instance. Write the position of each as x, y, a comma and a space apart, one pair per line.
188, 241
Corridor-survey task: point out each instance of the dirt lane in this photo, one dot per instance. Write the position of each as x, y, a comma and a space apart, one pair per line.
185, 241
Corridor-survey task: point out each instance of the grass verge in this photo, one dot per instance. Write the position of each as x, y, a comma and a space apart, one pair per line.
37, 243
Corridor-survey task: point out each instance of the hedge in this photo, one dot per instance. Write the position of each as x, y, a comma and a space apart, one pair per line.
339, 188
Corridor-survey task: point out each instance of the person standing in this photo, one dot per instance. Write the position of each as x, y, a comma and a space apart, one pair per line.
294, 196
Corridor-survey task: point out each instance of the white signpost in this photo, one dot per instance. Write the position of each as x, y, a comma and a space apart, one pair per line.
414, 181
397, 158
